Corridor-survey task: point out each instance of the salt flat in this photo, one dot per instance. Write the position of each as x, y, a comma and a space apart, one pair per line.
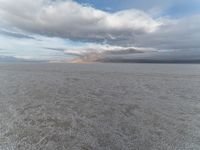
99, 107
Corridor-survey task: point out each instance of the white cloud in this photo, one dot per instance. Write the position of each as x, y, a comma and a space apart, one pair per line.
71, 20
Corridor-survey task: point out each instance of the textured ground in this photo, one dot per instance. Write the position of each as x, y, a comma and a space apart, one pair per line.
99, 107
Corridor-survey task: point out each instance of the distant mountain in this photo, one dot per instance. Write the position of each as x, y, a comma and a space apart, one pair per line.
189, 56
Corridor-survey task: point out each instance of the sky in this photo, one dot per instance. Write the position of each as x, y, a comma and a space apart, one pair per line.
53, 29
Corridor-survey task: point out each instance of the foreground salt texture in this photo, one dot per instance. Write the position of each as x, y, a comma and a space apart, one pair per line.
99, 107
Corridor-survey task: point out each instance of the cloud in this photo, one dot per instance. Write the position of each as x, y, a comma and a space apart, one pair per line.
109, 49
15, 34
120, 30
31, 48
69, 19
179, 34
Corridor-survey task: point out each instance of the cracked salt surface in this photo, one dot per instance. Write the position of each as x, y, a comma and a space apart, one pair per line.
99, 107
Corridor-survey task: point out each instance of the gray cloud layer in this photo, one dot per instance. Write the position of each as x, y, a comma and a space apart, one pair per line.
183, 34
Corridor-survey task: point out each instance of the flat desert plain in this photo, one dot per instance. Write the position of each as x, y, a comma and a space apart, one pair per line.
99, 106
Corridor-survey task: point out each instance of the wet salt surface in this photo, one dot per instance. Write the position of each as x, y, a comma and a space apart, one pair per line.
99, 107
